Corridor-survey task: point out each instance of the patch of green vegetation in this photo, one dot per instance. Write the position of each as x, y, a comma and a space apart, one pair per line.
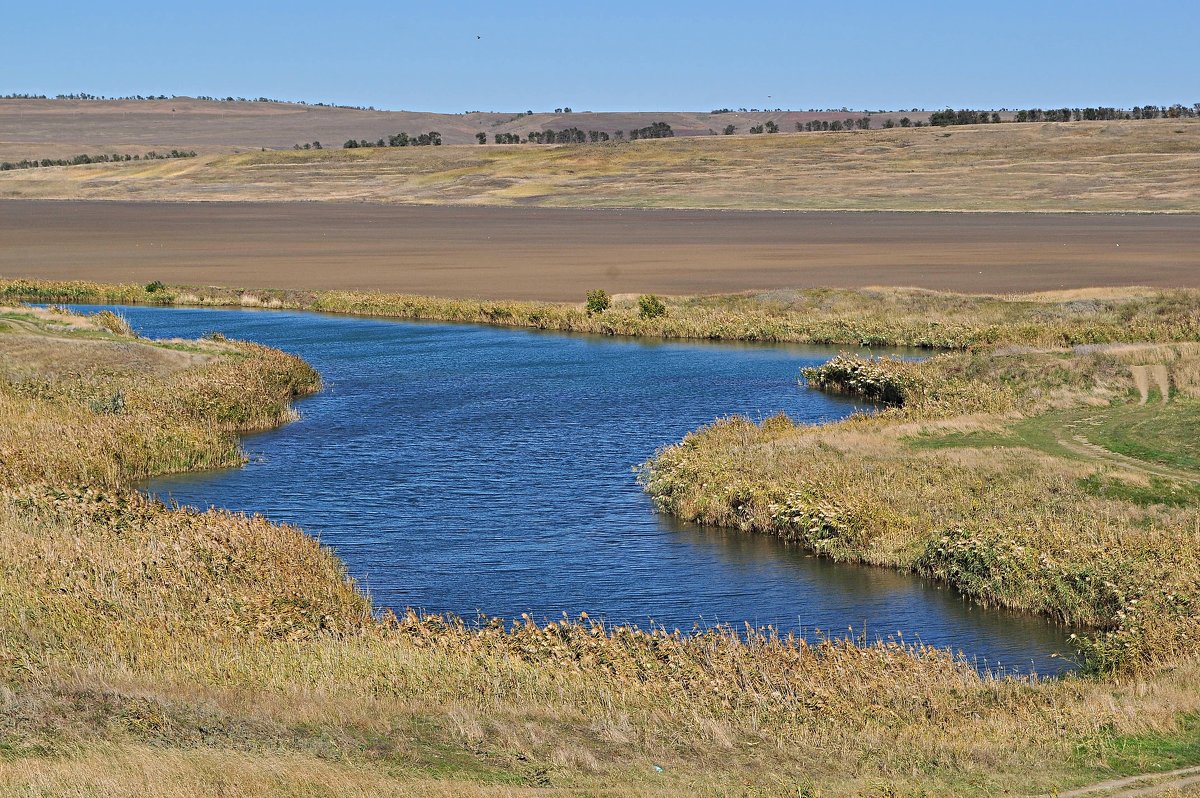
1038, 432
1133, 754
964, 440
1166, 492
1154, 433
1167, 434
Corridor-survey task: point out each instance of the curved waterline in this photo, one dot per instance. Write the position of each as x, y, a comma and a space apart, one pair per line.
466, 469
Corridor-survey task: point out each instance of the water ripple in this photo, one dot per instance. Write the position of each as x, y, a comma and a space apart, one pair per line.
467, 469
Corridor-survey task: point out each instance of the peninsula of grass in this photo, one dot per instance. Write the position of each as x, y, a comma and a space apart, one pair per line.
1026, 478
153, 650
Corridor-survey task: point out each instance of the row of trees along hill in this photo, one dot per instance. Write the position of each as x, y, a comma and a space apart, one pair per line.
771, 126
950, 116
573, 135
77, 160
433, 138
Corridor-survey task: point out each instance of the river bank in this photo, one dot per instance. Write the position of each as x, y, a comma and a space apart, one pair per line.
185, 650
884, 317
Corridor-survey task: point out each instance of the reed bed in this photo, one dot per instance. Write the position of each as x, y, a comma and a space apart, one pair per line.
147, 649
880, 318
1006, 522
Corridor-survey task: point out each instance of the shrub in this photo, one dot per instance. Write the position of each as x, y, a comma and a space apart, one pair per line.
598, 301
115, 324
111, 405
155, 287
651, 307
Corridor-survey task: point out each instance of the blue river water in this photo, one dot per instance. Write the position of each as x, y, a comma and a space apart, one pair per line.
467, 469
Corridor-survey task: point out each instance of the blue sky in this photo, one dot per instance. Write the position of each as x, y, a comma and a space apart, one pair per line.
615, 55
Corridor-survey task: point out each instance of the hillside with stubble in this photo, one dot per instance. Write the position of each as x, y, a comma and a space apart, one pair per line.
63, 128
1124, 166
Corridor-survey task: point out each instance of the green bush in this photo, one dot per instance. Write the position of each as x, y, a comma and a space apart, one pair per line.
155, 287
598, 301
651, 307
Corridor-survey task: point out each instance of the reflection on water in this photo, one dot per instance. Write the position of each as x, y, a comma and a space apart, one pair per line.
465, 469
873, 603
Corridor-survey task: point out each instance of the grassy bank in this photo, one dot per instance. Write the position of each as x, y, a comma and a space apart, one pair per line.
159, 651
884, 317
1029, 479
1133, 166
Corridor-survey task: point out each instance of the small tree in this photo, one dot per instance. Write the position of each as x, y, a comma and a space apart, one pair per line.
481, 138
729, 130
598, 301
651, 307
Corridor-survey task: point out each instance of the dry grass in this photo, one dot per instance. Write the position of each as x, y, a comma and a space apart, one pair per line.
1008, 521
1081, 166
871, 317
146, 650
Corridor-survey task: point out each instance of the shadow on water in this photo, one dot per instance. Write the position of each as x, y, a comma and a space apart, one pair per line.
891, 605
468, 469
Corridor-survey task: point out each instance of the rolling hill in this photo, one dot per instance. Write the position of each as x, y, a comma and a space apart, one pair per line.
63, 128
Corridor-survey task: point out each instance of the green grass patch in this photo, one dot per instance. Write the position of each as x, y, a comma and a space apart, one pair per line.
1167, 434
1154, 433
1135, 754
964, 440
1159, 491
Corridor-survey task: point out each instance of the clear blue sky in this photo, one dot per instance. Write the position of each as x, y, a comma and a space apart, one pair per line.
613, 54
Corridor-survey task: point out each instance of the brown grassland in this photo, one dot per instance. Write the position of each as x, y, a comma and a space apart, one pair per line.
159, 651
31, 128
1080, 166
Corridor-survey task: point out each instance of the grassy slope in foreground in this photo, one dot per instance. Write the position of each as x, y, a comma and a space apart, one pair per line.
168, 652
1080, 166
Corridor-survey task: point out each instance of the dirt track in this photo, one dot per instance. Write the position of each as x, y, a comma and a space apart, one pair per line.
558, 254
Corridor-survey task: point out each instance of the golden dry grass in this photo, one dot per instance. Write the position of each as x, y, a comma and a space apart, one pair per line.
146, 650
1010, 520
1082, 166
871, 317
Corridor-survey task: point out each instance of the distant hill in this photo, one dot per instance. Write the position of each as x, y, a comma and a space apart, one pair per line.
1147, 166
63, 128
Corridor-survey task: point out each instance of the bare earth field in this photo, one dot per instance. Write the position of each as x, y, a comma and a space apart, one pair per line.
558, 254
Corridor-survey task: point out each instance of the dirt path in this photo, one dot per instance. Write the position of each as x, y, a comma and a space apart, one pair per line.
1079, 444
1136, 786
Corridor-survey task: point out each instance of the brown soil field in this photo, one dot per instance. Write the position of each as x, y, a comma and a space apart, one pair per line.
62, 128
558, 254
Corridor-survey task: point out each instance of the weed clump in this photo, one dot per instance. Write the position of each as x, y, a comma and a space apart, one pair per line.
651, 307
598, 301
116, 324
